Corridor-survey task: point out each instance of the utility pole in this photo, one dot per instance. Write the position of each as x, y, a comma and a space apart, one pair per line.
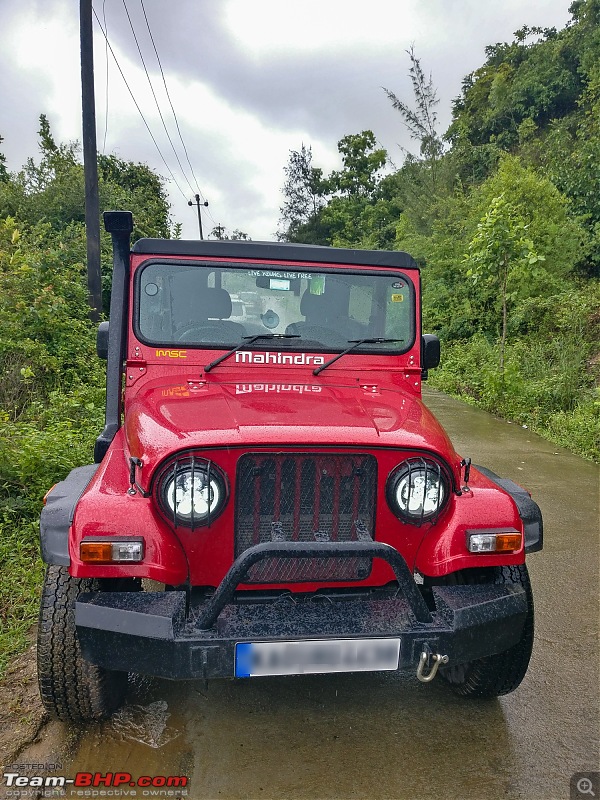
198, 204
90, 160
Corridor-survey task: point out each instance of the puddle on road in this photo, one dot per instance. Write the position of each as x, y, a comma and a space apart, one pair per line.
145, 737
145, 724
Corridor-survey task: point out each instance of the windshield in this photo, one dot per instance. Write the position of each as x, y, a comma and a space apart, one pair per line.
203, 305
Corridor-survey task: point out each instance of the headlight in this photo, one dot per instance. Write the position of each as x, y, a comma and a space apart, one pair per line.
192, 492
417, 490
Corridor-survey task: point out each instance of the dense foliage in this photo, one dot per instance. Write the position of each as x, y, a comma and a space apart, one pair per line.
503, 214
51, 382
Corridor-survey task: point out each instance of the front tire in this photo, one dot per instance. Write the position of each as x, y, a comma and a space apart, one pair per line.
71, 689
502, 673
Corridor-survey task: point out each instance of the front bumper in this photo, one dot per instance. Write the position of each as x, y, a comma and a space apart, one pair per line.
158, 634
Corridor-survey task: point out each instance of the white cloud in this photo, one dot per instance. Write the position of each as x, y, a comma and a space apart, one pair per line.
264, 27
249, 80
41, 49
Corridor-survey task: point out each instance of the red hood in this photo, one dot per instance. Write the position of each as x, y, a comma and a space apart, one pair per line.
162, 419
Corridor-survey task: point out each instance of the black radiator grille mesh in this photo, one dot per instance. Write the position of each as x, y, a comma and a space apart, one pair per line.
305, 497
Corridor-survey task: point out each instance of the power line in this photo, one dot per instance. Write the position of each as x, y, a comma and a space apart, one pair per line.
170, 102
211, 216
156, 98
138, 108
109, 47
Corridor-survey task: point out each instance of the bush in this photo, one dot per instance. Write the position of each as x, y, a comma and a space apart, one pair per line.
547, 385
578, 430
34, 454
46, 338
51, 401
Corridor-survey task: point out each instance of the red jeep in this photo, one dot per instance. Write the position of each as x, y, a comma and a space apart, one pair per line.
272, 497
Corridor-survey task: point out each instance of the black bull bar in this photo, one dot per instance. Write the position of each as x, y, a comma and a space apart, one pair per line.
160, 633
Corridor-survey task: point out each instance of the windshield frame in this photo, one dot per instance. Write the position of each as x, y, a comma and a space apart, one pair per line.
296, 345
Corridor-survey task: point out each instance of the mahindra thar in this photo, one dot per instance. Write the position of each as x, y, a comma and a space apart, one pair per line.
270, 495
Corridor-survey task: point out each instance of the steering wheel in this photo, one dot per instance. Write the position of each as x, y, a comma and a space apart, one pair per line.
202, 333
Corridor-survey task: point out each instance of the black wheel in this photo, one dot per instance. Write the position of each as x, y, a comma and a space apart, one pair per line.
502, 673
71, 689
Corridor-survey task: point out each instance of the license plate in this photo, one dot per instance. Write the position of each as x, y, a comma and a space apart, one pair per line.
253, 659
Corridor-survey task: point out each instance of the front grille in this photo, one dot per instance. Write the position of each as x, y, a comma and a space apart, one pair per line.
299, 497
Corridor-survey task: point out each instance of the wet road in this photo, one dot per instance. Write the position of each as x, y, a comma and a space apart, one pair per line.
381, 736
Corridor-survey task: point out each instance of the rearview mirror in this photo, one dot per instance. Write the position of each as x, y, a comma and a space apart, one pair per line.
430, 352
102, 341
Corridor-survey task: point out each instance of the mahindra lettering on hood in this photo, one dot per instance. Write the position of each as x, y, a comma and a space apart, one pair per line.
266, 440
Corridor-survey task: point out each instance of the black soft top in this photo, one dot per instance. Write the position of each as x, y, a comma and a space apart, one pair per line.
274, 251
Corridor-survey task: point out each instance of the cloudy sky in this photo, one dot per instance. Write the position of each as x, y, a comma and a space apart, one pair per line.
250, 80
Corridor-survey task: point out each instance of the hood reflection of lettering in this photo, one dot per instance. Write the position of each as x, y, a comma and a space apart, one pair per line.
248, 357
277, 388
163, 419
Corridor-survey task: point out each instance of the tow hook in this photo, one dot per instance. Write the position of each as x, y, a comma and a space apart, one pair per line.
424, 660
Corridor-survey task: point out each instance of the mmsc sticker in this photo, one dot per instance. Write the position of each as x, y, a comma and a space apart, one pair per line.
171, 353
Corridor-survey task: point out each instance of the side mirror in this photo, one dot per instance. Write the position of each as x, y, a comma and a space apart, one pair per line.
102, 341
430, 352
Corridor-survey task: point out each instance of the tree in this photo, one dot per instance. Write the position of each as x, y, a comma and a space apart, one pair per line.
49, 190
220, 232
52, 189
421, 121
3, 170
546, 212
304, 191
332, 210
500, 254
362, 163
537, 81
45, 335
137, 188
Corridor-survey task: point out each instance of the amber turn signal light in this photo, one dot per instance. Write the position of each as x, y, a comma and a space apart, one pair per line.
507, 542
111, 551
494, 541
96, 552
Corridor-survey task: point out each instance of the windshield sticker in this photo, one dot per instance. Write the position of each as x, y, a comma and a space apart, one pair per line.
398, 285
280, 284
247, 357
397, 298
289, 276
317, 285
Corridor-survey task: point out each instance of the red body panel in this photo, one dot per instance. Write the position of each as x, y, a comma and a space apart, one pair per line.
362, 403
163, 418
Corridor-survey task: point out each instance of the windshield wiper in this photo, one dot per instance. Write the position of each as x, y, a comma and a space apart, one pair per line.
246, 340
354, 343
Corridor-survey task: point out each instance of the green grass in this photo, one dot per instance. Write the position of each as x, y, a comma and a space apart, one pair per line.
22, 572
35, 453
551, 389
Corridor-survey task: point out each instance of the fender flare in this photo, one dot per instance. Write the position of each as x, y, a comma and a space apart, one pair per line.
57, 515
529, 511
